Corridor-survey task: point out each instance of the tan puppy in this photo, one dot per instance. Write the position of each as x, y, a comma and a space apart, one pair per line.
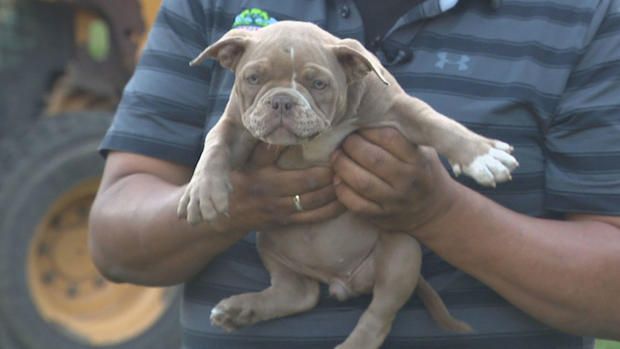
299, 86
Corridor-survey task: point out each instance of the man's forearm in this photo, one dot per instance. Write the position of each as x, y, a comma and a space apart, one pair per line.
564, 273
137, 237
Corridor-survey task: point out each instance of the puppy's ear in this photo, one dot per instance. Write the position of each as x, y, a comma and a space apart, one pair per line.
356, 60
228, 49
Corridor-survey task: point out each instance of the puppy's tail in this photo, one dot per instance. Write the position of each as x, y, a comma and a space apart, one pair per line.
438, 310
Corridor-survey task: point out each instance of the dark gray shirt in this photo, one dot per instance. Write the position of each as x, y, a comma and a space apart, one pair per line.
379, 16
541, 75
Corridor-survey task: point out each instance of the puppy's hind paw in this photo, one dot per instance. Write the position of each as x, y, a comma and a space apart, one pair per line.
230, 315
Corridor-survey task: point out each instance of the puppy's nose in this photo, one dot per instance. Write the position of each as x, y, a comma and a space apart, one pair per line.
282, 102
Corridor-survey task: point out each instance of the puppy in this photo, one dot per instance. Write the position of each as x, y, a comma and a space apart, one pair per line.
297, 85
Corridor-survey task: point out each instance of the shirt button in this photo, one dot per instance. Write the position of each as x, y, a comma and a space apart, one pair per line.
345, 11
375, 44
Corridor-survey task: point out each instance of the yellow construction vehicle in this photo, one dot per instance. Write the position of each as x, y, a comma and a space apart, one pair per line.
63, 64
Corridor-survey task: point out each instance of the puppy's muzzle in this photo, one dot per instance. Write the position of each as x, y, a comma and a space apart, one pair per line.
284, 116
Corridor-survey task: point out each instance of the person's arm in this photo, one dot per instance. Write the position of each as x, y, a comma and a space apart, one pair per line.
564, 273
136, 236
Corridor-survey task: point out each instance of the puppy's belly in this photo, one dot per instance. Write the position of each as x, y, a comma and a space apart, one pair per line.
339, 252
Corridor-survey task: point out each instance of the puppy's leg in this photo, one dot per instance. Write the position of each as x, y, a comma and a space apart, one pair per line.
398, 259
289, 293
226, 146
488, 161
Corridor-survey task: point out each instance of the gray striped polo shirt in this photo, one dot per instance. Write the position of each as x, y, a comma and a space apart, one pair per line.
541, 75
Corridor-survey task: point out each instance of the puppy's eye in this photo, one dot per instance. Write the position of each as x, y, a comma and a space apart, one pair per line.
319, 84
253, 79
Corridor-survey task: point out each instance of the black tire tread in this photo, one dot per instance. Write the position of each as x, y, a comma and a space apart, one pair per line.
19, 158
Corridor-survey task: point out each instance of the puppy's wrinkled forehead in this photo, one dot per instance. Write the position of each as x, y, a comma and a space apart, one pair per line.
290, 51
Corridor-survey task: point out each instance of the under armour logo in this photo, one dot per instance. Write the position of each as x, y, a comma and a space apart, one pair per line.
453, 59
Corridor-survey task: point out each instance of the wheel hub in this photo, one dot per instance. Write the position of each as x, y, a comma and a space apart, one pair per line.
68, 290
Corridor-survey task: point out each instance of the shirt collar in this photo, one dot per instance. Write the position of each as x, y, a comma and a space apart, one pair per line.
431, 8
445, 5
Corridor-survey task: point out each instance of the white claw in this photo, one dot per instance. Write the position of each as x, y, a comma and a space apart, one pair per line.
500, 172
479, 171
456, 168
493, 167
505, 158
215, 312
503, 146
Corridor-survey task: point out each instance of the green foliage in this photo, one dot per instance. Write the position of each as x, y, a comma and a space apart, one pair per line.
601, 344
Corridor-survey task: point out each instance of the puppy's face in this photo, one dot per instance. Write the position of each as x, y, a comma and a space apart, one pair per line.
291, 78
288, 93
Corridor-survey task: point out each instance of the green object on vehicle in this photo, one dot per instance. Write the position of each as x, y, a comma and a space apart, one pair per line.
98, 40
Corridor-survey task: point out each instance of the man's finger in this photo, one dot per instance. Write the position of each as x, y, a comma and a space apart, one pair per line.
308, 201
393, 141
374, 158
286, 183
365, 183
354, 202
331, 210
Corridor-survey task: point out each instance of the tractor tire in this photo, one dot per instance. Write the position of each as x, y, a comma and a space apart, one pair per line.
51, 295
6, 342
36, 42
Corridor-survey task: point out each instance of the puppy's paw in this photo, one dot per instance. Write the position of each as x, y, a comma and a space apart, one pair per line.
231, 314
491, 167
205, 197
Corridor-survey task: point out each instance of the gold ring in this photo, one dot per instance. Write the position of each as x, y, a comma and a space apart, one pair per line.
297, 203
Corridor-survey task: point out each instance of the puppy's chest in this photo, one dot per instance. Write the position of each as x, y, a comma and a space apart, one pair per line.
318, 150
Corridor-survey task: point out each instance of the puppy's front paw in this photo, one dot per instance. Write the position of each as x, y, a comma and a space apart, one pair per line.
491, 167
205, 197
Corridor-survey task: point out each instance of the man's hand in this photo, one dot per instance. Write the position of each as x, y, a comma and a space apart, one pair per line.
136, 236
263, 194
562, 273
399, 186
